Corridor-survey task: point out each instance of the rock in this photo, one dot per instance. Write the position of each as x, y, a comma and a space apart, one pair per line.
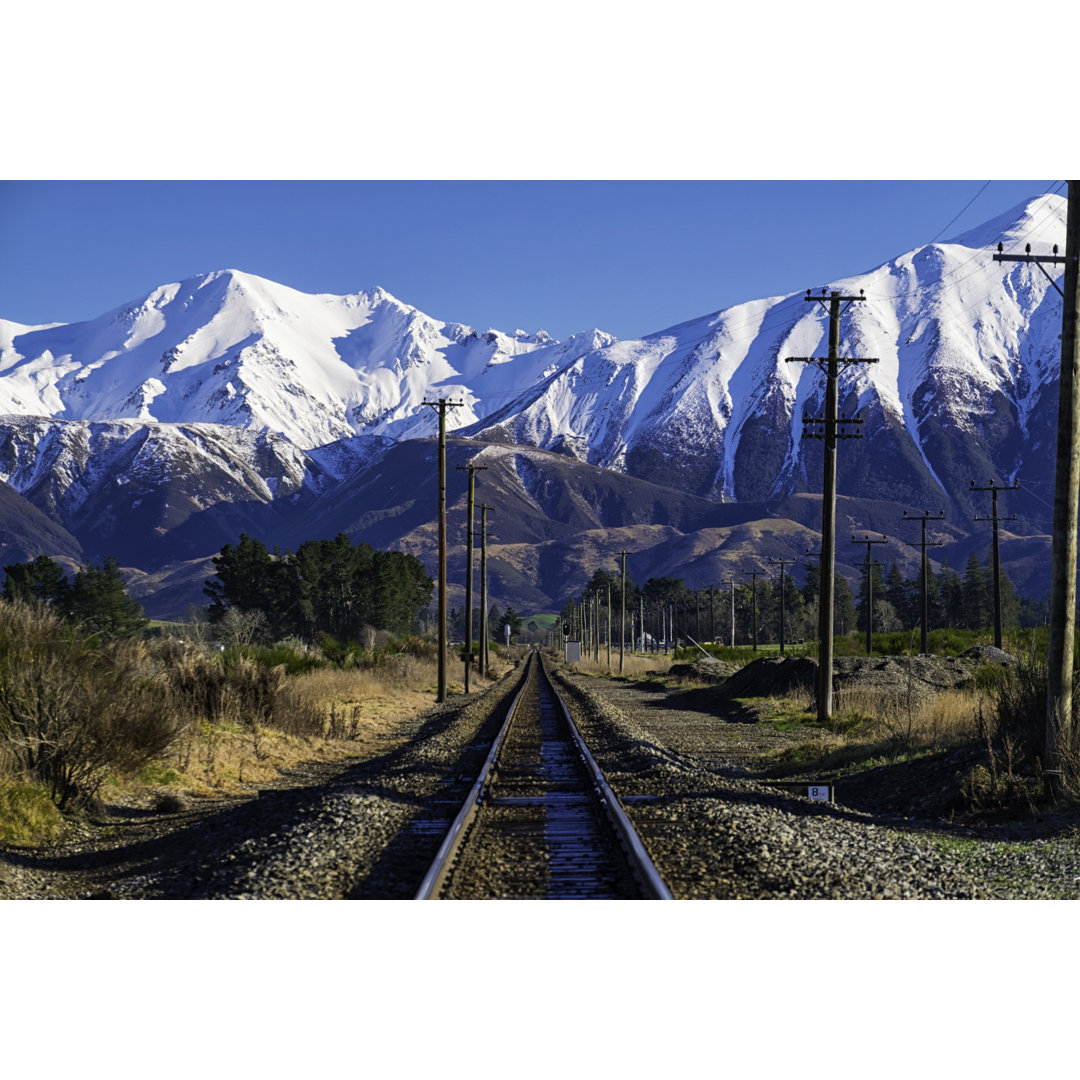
990, 654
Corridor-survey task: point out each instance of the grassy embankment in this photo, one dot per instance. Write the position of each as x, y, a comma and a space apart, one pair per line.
159, 722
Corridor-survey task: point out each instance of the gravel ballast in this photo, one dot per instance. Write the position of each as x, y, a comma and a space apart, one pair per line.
716, 831
688, 774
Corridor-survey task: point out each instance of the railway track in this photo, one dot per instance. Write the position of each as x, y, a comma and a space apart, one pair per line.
541, 822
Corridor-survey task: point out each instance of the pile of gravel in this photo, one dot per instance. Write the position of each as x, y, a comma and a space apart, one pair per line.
704, 669
773, 676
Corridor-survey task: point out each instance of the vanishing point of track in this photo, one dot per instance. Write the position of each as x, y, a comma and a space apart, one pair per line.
541, 821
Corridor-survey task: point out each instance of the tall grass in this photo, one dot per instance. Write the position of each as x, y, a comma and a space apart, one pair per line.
78, 715
73, 708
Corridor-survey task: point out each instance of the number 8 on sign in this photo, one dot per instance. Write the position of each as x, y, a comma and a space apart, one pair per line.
818, 794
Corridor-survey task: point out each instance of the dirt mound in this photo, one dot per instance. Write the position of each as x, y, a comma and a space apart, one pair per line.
904, 678
901, 673
773, 676
702, 669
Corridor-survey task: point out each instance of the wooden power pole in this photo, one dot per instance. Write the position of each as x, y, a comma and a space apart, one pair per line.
1059, 712
484, 508
622, 615
783, 629
472, 470
827, 428
441, 406
924, 544
1059, 658
731, 640
869, 586
994, 489
753, 606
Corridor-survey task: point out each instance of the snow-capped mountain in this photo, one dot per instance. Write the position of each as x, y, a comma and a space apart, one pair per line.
148, 493
966, 349
231, 348
228, 402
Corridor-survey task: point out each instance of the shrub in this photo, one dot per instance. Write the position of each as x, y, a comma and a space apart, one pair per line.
73, 709
294, 660
224, 688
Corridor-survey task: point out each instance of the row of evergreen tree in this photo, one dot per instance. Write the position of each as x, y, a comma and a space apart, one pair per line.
332, 587
953, 600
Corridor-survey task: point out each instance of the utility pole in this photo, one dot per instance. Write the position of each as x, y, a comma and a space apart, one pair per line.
816, 555
1059, 658
753, 606
472, 470
596, 626
731, 582
994, 489
609, 626
622, 616
925, 571
828, 426
870, 586
783, 632
484, 508
442, 405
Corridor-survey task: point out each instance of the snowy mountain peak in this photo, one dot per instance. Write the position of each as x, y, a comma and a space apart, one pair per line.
965, 350
1040, 222
230, 347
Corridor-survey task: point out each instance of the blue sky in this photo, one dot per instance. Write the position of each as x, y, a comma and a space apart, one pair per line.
630, 257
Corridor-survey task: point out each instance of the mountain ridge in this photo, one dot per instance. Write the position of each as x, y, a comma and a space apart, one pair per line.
226, 401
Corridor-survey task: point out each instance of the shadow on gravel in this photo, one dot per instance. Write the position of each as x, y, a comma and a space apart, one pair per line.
400, 868
710, 700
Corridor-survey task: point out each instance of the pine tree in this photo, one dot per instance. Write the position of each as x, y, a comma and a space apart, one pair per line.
877, 583
41, 580
512, 619
100, 604
843, 605
898, 593
975, 613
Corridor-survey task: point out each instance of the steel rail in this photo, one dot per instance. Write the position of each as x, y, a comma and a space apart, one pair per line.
448, 849
651, 880
642, 866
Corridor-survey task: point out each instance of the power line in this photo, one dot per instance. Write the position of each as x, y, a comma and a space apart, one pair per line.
961, 214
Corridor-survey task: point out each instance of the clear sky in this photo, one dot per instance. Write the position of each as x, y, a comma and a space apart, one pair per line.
629, 257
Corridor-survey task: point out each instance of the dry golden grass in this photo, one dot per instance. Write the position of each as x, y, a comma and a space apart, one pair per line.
635, 665
868, 724
938, 720
27, 815
325, 715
